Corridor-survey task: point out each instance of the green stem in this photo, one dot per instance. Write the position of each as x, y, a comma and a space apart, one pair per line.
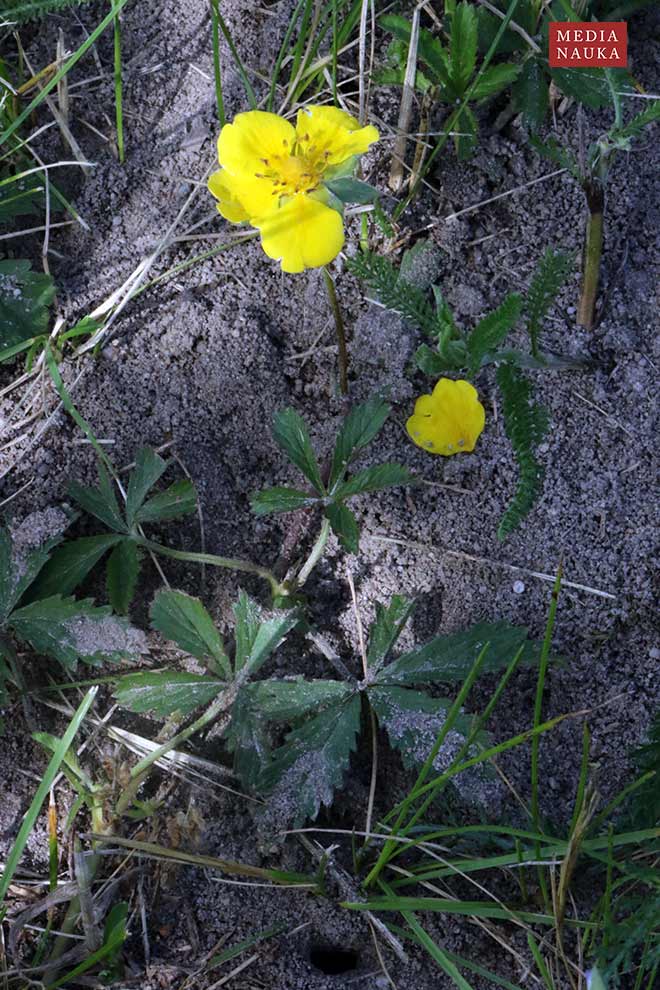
315, 554
119, 112
231, 563
593, 249
339, 329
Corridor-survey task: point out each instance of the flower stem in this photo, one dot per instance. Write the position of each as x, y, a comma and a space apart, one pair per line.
593, 248
339, 328
231, 563
315, 554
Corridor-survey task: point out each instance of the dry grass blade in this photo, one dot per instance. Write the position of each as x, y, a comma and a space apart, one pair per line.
405, 111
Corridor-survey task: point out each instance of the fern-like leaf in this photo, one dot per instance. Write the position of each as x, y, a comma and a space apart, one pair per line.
525, 424
20, 11
393, 292
491, 331
549, 277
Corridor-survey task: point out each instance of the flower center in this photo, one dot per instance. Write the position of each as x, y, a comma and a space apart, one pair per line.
297, 170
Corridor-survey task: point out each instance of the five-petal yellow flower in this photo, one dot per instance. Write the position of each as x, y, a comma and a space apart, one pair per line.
448, 421
272, 175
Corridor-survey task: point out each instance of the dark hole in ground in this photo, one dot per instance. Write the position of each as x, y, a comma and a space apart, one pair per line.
332, 960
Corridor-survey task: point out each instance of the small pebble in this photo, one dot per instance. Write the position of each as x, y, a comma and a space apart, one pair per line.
518, 587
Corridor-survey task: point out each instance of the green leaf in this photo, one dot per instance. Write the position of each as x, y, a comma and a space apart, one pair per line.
184, 619
590, 88
22, 196
344, 525
465, 134
531, 93
393, 292
165, 692
433, 364
256, 640
291, 435
19, 11
24, 550
549, 277
180, 499
494, 79
413, 722
372, 479
122, 573
247, 738
148, 469
280, 499
526, 424
635, 126
491, 331
100, 502
290, 700
310, 766
25, 297
70, 564
430, 50
71, 630
359, 428
463, 46
386, 629
349, 190
450, 658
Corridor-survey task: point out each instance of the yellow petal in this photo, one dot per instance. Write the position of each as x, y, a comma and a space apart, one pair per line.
230, 207
246, 145
302, 233
332, 134
242, 197
448, 421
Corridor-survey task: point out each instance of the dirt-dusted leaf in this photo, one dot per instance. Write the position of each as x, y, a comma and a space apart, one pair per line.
167, 691
344, 525
247, 738
372, 479
494, 79
350, 190
25, 297
292, 436
24, 550
463, 46
450, 658
290, 700
180, 499
70, 564
71, 630
492, 330
280, 499
148, 469
413, 721
182, 618
122, 571
310, 766
359, 428
530, 93
590, 86
100, 502
256, 640
386, 629
465, 134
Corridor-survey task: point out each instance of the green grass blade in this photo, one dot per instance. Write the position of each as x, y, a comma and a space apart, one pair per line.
119, 102
217, 71
43, 791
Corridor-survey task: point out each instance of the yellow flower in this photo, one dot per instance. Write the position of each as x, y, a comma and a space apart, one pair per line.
272, 174
448, 421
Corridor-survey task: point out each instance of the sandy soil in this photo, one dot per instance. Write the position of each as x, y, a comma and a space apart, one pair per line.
208, 358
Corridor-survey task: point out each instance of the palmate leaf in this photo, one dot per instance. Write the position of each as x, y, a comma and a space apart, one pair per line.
100, 502
450, 658
70, 564
386, 629
149, 467
25, 297
71, 630
413, 721
280, 499
166, 692
430, 50
358, 429
494, 79
344, 525
182, 618
290, 700
463, 46
433, 364
247, 738
24, 550
591, 86
292, 436
492, 330
122, 572
180, 499
310, 766
257, 639
531, 94
373, 479
20, 197
465, 134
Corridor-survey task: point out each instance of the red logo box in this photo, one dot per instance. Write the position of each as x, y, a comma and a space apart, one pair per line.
588, 44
